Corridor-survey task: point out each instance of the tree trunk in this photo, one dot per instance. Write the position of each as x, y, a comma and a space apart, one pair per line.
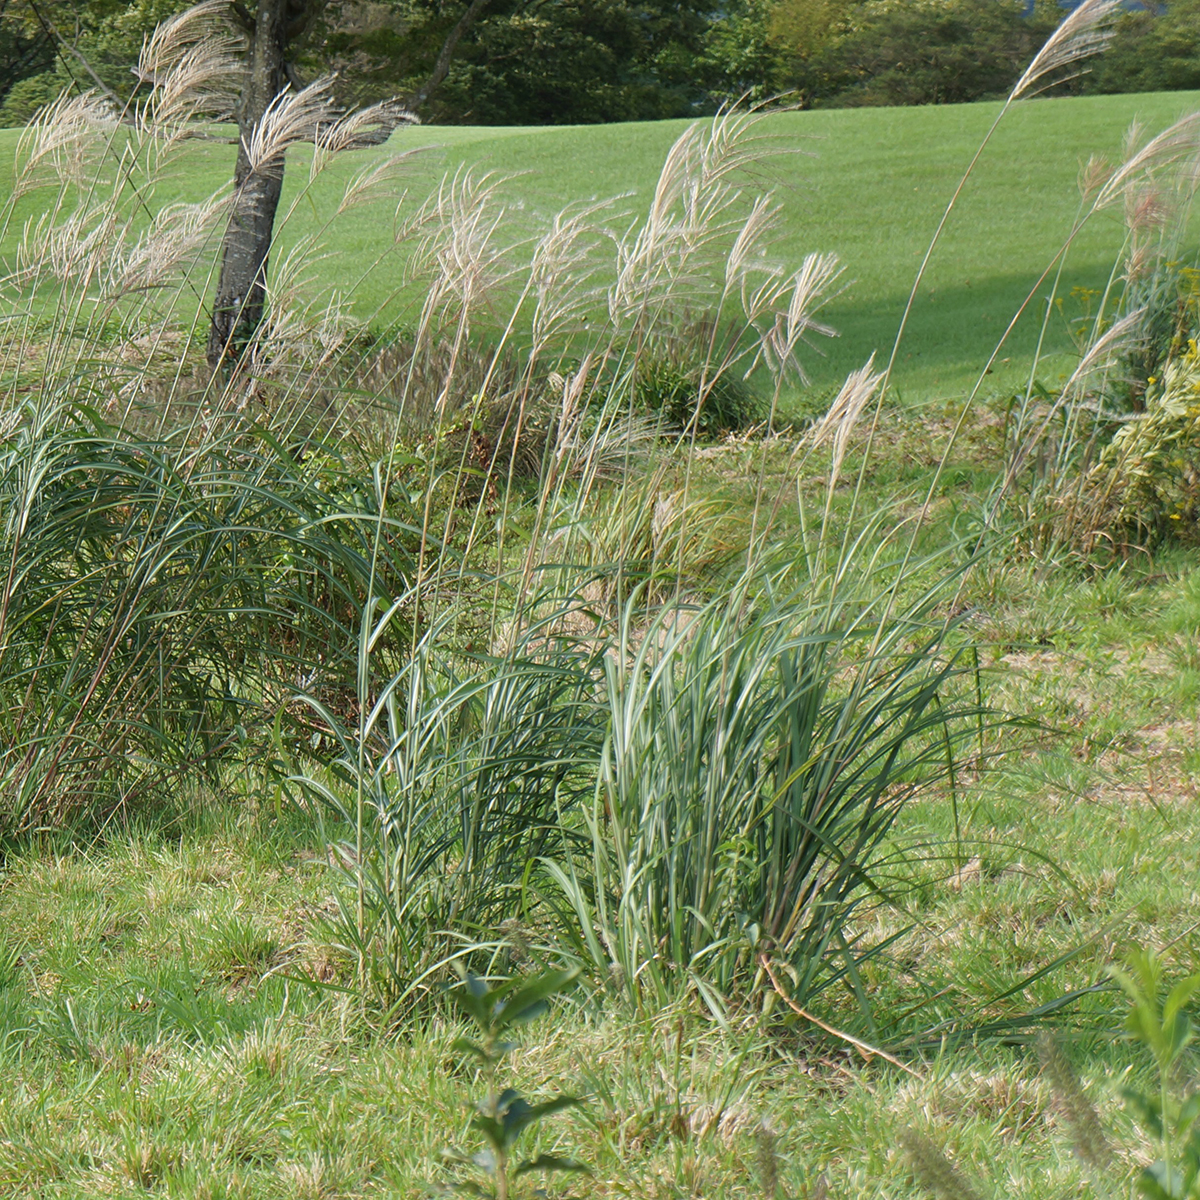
241, 287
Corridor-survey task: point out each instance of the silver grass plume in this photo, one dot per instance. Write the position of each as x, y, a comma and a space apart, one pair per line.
168, 249
1104, 351
695, 213
63, 139
173, 38
1100, 356
76, 249
807, 292
203, 83
562, 272
295, 328
746, 254
1084, 33
191, 63
1178, 142
374, 181
461, 257
359, 130
1093, 175
839, 421
291, 118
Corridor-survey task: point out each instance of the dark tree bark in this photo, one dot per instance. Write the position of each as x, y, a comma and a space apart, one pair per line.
241, 287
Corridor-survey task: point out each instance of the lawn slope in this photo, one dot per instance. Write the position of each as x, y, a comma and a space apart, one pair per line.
869, 184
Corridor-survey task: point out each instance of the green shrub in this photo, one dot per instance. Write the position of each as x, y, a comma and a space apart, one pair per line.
1147, 479
685, 399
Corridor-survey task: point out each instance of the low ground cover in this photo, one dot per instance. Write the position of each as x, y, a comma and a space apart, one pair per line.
174, 1021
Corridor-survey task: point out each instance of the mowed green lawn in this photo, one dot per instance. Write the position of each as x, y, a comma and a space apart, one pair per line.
869, 184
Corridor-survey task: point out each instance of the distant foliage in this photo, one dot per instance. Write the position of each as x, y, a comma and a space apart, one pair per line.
925, 53
1157, 49
589, 61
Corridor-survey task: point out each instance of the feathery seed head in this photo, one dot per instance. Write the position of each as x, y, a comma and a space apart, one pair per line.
1093, 176
1147, 208
1178, 143
175, 37
838, 423
358, 130
64, 138
807, 292
1083, 33
292, 117
177, 235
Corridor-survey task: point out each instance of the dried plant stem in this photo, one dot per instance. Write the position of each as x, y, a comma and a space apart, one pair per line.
864, 1048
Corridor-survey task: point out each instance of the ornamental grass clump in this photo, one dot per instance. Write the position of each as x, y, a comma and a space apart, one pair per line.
474, 608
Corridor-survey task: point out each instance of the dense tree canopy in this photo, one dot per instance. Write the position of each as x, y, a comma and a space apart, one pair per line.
556, 61
1157, 49
917, 52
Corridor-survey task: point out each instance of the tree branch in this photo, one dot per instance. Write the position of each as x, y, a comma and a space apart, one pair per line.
298, 22
241, 14
441, 68
62, 44
293, 76
864, 1048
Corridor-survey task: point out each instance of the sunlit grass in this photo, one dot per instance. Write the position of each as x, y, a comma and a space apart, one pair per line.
868, 184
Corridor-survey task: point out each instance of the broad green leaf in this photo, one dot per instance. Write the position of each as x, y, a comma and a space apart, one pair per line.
529, 1000
519, 1117
551, 1162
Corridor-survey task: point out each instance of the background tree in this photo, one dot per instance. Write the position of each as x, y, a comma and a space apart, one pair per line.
273, 30
1156, 48
919, 52
802, 32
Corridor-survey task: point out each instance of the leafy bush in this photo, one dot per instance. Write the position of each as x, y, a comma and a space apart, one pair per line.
1147, 479
880, 52
687, 401
1157, 48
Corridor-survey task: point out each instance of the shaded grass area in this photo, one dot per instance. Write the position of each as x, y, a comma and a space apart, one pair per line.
157, 1036
869, 184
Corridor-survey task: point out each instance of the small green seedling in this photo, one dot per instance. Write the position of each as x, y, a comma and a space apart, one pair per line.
1165, 1027
503, 1115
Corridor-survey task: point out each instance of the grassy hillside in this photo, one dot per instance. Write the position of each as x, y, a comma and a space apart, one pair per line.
869, 184
840, 761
